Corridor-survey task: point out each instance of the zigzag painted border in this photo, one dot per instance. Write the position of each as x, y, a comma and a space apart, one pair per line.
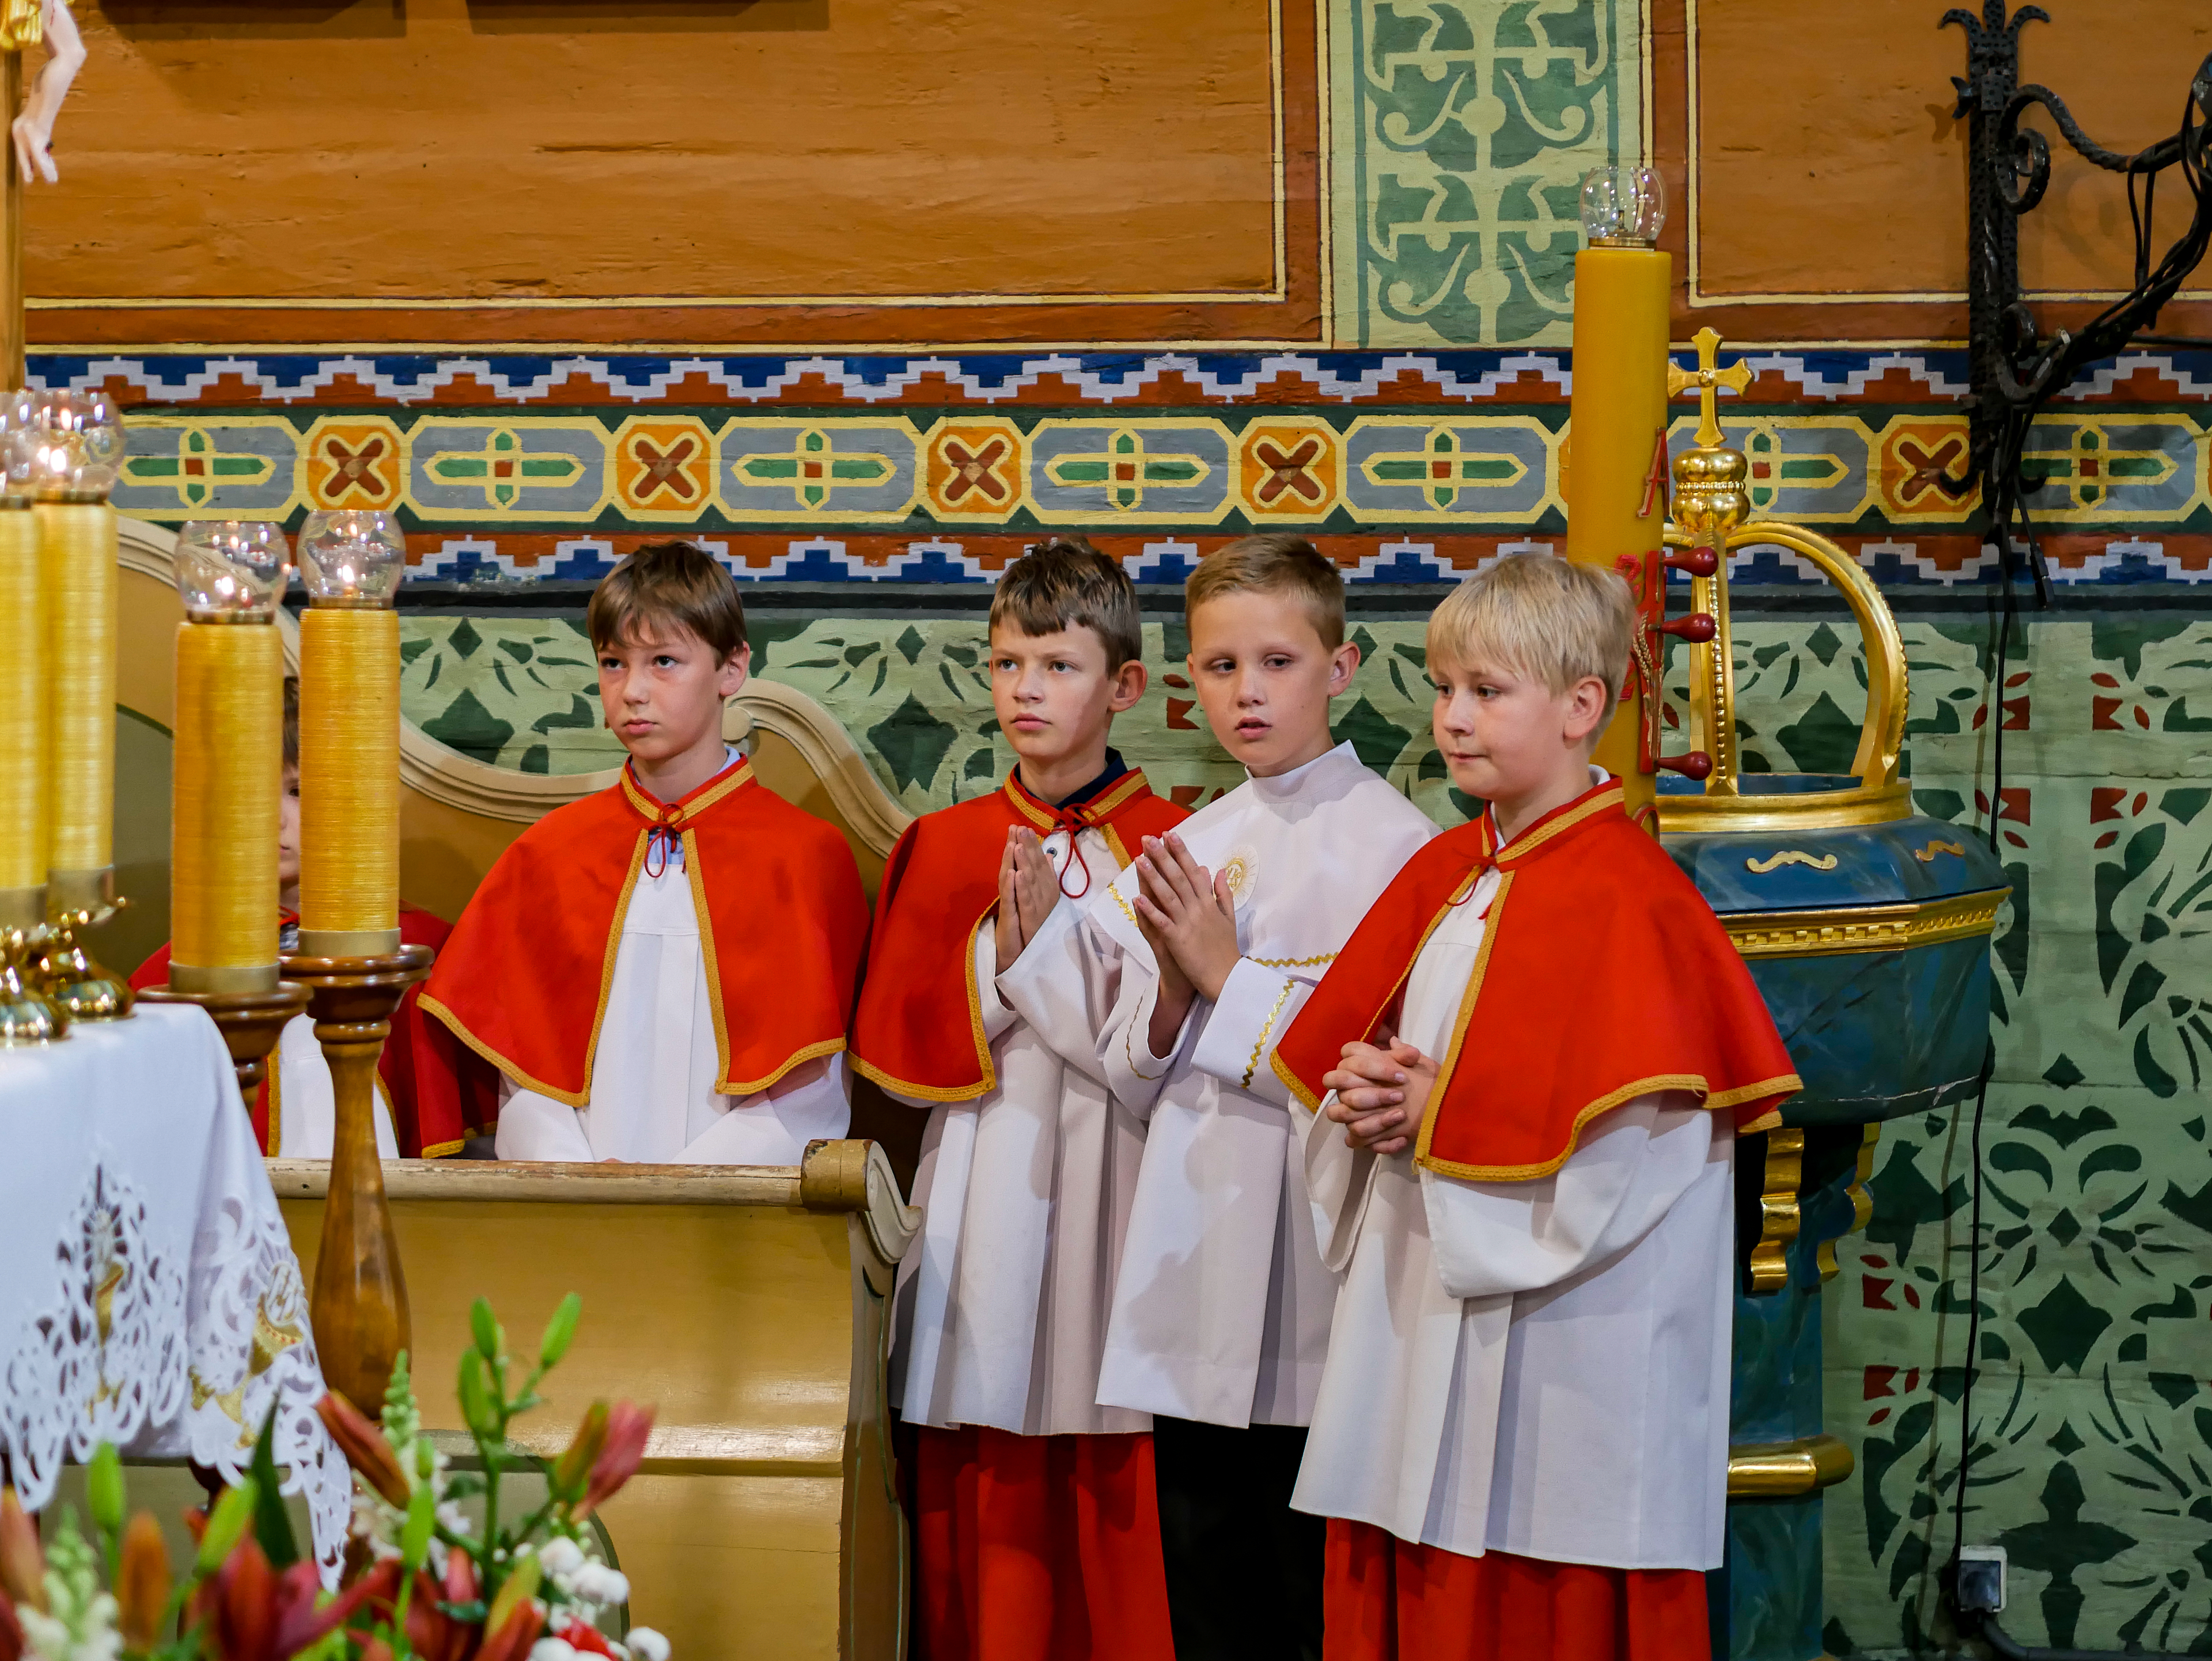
1823, 373
495, 567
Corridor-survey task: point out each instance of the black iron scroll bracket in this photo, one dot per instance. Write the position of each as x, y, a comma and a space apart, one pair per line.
2015, 369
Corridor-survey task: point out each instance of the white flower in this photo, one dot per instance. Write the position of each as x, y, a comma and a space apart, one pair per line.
561, 1555
595, 1583
93, 1638
552, 1649
646, 1645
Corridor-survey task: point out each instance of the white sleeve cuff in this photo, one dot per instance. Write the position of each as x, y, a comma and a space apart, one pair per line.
1242, 1029
990, 1008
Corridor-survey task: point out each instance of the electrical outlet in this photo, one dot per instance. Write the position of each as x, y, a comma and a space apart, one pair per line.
1982, 1578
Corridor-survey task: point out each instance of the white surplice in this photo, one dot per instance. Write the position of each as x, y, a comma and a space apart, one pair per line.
304, 1101
1000, 1317
1537, 1367
652, 1095
1221, 1303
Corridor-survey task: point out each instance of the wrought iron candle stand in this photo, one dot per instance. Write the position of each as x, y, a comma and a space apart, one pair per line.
2014, 369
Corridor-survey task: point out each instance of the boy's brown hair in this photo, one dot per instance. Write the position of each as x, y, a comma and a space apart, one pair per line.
292, 722
668, 585
1064, 582
1274, 564
1543, 617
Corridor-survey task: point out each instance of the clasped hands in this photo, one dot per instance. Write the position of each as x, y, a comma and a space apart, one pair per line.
1382, 1094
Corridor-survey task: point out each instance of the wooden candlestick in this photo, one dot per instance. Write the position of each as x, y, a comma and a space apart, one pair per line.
359, 1305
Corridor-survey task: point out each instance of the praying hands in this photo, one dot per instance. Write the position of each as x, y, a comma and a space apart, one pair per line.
1029, 888
1189, 920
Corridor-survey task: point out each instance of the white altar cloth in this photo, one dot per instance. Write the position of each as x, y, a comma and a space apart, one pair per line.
149, 1295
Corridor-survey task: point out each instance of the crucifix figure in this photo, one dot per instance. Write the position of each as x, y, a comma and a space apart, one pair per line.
1708, 378
25, 23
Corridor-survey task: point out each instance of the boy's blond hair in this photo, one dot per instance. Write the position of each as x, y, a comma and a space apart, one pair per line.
1541, 617
1277, 564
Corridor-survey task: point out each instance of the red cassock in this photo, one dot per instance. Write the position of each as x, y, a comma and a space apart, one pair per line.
1603, 977
783, 924
441, 1094
1026, 1547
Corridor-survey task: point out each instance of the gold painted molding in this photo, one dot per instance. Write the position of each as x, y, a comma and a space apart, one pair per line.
1785, 1470
447, 776
1864, 927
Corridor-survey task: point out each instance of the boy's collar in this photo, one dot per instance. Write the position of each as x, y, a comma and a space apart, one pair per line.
1115, 768
1604, 796
735, 774
1290, 783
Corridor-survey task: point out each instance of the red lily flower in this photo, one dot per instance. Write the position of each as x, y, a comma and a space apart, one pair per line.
433, 1634
11, 1631
362, 1440
22, 1565
516, 1635
254, 1613
585, 1638
628, 1426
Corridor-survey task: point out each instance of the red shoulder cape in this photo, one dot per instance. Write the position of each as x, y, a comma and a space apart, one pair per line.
441, 1094
782, 926
919, 1029
1602, 976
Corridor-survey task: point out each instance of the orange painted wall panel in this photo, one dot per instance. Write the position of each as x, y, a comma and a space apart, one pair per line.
509, 149
1828, 161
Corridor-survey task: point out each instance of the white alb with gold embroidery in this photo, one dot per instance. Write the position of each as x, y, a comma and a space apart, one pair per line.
1221, 1305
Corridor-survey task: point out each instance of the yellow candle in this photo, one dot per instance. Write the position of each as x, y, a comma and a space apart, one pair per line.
1617, 430
22, 722
77, 561
349, 781
229, 764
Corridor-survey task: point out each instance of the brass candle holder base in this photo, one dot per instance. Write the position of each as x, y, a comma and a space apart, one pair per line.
251, 1023
27, 1015
75, 981
359, 1305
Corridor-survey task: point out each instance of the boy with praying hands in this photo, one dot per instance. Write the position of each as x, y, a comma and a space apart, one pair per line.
1037, 1533
1220, 1309
1519, 1087
663, 971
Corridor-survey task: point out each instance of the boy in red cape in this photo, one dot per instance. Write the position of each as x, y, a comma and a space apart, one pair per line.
1037, 1534
663, 971
432, 1095
1520, 1088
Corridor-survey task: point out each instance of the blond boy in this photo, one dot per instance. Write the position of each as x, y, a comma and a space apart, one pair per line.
1507, 1089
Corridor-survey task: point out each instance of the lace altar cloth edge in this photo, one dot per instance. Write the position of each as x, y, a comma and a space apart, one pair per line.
149, 1296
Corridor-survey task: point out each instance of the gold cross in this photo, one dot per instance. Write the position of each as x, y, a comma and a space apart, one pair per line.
1708, 380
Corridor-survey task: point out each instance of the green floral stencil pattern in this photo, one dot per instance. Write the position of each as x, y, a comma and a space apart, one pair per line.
2094, 1415
1464, 128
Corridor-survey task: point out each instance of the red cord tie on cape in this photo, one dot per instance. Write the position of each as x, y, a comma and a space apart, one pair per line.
1072, 821
664, 839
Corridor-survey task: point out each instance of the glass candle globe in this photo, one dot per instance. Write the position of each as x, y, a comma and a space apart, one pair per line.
232, 570
1624, 207
62, 446
352, 557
